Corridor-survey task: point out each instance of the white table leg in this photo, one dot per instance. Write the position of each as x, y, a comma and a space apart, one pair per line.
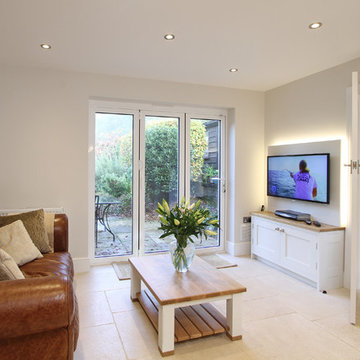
166, 329
234, 317
135, 283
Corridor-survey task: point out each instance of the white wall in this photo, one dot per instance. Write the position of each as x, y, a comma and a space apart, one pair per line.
313, 109
44, 139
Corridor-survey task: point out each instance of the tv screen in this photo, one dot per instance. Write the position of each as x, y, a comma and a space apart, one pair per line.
302, 177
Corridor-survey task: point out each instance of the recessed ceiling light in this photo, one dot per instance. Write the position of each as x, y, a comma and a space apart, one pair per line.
233, 70
46, 46
315, 25
169, 37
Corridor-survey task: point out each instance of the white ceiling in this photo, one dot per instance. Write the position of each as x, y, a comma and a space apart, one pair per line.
268, 40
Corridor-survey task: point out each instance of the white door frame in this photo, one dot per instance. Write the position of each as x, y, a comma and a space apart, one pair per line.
354, 203
111, 108
139, 111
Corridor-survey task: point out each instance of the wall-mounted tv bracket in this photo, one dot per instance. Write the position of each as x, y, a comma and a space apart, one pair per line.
353, 165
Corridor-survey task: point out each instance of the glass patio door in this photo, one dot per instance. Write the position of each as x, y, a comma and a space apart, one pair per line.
142, 157
161, 176
115, 185
205, 174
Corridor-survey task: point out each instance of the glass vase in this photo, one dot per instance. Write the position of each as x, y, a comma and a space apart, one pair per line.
182, 257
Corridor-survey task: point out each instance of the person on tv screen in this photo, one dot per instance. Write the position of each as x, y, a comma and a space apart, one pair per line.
305, 184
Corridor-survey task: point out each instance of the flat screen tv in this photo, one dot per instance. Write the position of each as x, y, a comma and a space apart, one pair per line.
301, 177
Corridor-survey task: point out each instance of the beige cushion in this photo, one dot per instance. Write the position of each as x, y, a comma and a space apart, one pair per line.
15, 240
35, 226
4, 275
8, 268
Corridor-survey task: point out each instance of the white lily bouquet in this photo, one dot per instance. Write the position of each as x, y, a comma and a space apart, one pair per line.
185, 221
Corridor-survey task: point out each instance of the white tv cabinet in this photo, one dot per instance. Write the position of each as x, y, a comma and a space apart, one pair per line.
313, 254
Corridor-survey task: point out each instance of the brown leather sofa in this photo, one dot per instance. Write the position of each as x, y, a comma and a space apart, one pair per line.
39, 314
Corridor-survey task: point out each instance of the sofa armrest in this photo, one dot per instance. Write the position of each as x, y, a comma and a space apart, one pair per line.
35, 305
61, 230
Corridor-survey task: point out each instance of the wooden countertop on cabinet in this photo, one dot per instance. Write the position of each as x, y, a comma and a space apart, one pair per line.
301, 224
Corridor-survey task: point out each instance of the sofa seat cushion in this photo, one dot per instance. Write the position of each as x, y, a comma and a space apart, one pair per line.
59, 263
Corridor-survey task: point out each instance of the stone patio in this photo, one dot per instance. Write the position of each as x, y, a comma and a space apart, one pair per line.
122, 245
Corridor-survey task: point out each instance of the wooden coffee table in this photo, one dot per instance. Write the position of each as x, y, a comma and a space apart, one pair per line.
177, 303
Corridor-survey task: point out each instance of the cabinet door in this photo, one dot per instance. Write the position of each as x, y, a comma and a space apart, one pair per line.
298, 252
266, 240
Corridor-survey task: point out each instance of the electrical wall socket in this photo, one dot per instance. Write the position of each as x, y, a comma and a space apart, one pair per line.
246, 219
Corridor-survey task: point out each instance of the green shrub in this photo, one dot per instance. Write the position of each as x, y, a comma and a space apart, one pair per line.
113, 165
198, 145
161, 158
113, 181
209, 172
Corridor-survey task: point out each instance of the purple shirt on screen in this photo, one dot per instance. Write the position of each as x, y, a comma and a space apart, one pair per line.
304, 185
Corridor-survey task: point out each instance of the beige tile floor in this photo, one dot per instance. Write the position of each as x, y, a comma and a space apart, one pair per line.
283, 319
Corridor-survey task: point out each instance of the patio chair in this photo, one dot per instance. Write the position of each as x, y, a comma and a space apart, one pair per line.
101, 215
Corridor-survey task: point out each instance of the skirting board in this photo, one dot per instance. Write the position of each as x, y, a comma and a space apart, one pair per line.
238, 249
81, 265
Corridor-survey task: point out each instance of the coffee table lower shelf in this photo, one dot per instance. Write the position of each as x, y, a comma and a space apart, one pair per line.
191, 322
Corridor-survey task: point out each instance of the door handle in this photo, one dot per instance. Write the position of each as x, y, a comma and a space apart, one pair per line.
353, 165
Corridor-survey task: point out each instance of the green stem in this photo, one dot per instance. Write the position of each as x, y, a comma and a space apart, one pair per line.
179, 257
